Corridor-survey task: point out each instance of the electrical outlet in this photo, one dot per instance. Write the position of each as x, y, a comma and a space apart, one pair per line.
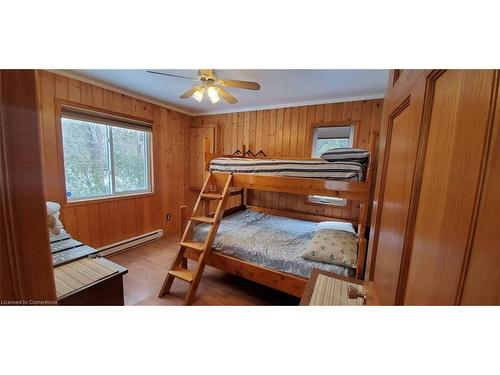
168, 217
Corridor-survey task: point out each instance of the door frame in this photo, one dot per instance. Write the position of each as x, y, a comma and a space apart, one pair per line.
27, 275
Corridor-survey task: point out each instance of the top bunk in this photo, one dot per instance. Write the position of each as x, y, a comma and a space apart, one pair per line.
305, 176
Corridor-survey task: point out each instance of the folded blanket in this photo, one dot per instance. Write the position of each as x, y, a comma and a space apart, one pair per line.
345, 155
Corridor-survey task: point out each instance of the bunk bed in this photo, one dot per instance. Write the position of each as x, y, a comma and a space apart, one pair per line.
283, 175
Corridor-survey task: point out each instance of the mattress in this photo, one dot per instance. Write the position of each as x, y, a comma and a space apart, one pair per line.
271, 241
315, 168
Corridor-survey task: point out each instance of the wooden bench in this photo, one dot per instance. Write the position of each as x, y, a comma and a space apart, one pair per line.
90, 281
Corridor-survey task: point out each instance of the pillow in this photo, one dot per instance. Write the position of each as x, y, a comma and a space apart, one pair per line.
338, 225
333, 246
346, 154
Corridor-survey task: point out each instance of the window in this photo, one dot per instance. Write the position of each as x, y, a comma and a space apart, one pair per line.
104, 156
326, 138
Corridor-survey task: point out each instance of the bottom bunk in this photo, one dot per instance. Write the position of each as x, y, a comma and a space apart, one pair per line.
282, 281
268, 249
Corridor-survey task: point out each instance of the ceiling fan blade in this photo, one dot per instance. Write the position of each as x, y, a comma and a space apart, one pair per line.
171, 75
239, 84
189, 92
225, 95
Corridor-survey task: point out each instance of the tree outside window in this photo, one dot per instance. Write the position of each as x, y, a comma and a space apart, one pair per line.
103, 160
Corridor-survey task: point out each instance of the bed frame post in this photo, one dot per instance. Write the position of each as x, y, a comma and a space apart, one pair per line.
244, 195
363, 211
244, 192
363, 218
371, 148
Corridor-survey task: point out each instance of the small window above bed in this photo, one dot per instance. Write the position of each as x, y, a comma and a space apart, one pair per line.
325, 138
321, 199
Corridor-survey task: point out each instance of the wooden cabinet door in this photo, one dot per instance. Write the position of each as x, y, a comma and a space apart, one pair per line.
196, 137
460, 112
399, 144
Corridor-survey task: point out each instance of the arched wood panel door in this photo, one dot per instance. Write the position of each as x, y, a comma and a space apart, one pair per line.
431, 198
458, 130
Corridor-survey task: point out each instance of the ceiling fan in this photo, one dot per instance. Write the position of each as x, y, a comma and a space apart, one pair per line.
212, 85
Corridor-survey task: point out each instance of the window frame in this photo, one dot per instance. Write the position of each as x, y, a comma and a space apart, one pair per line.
112, 169
315, 136
308, 200
59, 107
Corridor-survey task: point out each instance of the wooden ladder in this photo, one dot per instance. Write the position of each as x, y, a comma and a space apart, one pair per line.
178, 269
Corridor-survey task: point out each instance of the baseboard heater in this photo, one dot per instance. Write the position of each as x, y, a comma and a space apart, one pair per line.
130, 243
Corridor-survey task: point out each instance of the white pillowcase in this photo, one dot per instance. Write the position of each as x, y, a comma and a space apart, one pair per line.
337, 225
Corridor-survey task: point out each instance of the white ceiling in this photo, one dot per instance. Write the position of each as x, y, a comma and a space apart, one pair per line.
279, 87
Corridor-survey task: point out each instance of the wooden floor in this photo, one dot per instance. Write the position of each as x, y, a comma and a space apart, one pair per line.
147, 266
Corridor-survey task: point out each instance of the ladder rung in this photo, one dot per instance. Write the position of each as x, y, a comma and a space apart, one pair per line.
211, 196
203, 219
182, 274
193, 245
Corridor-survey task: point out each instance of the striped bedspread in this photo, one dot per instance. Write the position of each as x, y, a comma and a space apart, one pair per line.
350, 171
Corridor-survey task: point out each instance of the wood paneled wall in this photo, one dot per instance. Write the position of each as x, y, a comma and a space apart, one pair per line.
102, 222
288, 132
278, 132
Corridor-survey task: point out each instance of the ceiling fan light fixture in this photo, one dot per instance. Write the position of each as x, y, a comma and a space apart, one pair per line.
198, 94
213, 95
208, 78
